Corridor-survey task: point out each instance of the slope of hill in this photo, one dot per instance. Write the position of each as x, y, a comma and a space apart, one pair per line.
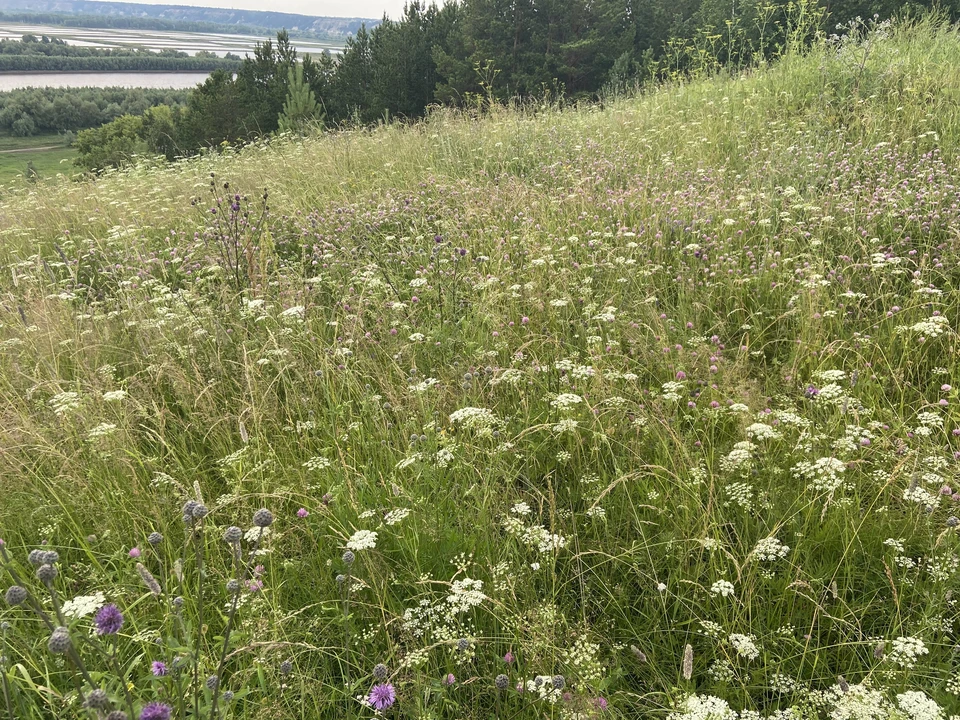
641, 411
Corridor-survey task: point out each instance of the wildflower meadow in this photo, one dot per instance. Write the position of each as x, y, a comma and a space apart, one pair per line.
646, 409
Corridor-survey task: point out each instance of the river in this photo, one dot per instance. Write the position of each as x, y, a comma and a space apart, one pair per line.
175, 80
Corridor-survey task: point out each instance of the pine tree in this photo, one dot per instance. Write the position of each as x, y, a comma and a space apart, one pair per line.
300, 109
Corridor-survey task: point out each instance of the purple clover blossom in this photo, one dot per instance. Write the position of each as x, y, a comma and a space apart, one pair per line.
158, 668
155, 711
382, 696
108, 620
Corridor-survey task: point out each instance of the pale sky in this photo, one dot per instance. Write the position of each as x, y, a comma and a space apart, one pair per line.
332, 8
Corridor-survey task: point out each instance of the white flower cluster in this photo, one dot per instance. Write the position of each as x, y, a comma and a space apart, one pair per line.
114, 395
64, 402
395, 516
920, 495
317, 463
859, 702
465, 594
672, 391
542, 687
83, 605
722, 588
474, 418
703, 707
745, 645
823, 474
362, 540
740, 457
584, 658
906, 651
932, 327
770, 550
565, 401
534, 536
918, 706
762, 431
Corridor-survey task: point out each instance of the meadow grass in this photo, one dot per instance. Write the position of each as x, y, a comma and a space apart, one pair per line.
48, 153
634, 411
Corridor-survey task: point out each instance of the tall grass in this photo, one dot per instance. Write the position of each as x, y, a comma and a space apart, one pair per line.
605, 383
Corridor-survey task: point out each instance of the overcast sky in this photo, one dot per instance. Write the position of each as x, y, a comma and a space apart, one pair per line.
335, 8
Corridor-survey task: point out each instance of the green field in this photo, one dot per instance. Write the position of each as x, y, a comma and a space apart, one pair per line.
48, 153
641, 411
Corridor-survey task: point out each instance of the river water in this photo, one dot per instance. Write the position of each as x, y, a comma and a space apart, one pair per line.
175, 80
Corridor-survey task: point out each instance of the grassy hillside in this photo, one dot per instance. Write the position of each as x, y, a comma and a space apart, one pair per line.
632, 411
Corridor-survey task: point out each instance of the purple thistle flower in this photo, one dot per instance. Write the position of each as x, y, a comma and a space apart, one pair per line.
108, 620
382, 696
155, 711
158, 668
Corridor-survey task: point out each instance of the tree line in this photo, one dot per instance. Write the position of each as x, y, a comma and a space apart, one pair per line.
478, 51
45, 54
48, 110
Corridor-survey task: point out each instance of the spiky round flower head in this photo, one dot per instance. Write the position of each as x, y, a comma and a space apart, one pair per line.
233, 586
36, 557
108, 620
341, 579
263, 518
233, 535
4, 626
463, 644
16, 595
199, 511
188, 519
97, 700
59, 641
212, 683
117, 715
46, 573
502, 682
188, 507
178, 602
953, 521
154, 538
227, 696
286, 667
155, 711
348, 557
380, 672
559, 682
381, 696
51, 556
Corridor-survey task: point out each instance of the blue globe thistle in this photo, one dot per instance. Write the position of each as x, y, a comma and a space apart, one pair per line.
59, 641
463, 644
97, 700
16, 595
51, 556
502, 682
286, 667
348, 557
227, 696
46, 573
559, 682
188, 507
380, 672
36, 557
199, 511
154, 538
212, 683
263, 518
178, 602
233, 535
